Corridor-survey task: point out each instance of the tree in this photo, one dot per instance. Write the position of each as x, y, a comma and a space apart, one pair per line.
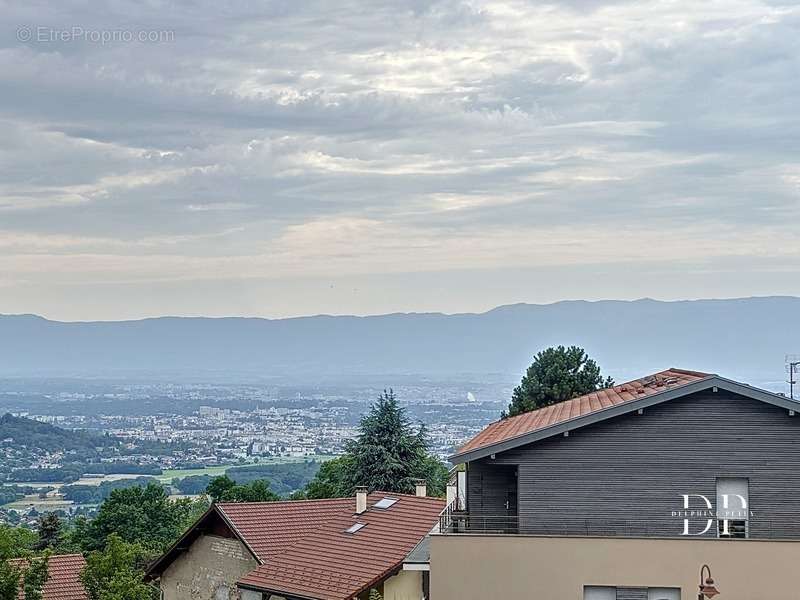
35, 576
219, 486
143, 515
388, 455
49, 531
14, 543
115, 573
330, 481
28, 575
557, 374
225, 489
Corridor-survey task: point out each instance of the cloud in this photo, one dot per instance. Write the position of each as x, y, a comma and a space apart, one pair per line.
383, 137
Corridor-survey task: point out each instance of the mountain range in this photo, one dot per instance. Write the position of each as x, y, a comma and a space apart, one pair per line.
745, 338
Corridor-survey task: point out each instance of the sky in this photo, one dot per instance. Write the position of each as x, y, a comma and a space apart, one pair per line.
285, 158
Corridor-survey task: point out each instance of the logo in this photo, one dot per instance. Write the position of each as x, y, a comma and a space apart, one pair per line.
699, 514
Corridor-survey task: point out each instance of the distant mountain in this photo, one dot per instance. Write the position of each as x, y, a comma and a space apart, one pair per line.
744, 338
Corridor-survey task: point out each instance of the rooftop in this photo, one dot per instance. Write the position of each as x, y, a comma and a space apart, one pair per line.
513, 427
63, 581
328, 563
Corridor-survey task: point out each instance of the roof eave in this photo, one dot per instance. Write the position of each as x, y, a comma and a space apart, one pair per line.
624, 408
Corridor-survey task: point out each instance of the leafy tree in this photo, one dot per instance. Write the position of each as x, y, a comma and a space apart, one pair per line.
375, 595
143, 515
557, 374
224, 489
49, 531
218, 487
115, 573
9, 580
16, 542
331, 479
35, 576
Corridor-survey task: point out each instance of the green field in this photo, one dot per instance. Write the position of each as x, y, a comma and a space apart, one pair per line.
166, 477
170, 474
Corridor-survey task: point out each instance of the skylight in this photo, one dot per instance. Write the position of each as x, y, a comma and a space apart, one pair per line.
385, 503
355, 527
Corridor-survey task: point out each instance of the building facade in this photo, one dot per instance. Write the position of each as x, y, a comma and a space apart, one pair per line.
627, 492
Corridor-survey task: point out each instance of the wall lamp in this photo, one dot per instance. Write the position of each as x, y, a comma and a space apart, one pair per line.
707, 587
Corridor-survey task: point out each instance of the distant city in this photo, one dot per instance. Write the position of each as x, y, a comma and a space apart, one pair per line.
183, 433
224, 424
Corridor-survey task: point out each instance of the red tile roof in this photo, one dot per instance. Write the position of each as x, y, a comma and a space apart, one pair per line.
269, 528
327, 563
63, 577
508, 429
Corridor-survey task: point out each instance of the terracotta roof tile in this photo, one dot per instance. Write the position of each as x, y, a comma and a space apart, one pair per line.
327, 563
269, 528
63, 577
507, 429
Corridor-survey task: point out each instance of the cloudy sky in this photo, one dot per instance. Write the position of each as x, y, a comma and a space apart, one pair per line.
292, 157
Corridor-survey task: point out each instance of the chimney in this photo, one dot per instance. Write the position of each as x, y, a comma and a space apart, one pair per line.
421, 489
361, 499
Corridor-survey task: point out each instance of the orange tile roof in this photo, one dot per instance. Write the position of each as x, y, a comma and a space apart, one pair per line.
329, 564
271, 527
63, 577
508, 429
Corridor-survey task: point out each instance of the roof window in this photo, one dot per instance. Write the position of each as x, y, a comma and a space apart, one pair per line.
355, 527
385, 503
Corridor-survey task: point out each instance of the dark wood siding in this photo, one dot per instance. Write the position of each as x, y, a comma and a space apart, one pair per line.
625, 476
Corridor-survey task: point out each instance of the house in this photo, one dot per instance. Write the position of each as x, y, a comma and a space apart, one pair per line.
334, 549
63, 577
625, 493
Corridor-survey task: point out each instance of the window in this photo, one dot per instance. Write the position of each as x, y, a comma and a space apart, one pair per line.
601, 592
733, 507
384, 503
598, 592
355, 527
663, 594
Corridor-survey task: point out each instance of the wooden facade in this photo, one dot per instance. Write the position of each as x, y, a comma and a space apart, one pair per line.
626, 475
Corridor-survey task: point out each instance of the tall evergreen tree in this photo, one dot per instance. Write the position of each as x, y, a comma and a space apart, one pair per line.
388, 454
557, 374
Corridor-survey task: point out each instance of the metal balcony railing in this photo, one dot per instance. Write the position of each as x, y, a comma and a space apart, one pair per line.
452, 521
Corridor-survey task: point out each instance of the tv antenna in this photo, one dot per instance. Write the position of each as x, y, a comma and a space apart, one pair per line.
792, 368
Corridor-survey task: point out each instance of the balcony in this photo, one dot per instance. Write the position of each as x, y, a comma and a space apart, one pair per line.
454, 522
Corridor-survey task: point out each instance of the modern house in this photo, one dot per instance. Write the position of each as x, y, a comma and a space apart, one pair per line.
63, 577
625, 493
336, 549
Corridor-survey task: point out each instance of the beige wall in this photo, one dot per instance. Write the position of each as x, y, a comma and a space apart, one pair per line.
406, 585
208, 570
540, 568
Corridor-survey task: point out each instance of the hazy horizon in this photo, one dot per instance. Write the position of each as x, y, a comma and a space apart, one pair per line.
410, 312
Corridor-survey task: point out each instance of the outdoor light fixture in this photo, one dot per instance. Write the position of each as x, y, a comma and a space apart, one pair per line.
707, 587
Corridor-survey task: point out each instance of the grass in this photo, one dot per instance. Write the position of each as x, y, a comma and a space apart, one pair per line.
170, 474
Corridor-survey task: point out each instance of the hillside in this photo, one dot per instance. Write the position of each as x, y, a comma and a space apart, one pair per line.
49, 438
743, 338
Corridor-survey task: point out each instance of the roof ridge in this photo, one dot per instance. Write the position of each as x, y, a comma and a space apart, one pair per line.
275, 502
615, 386
509, 428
